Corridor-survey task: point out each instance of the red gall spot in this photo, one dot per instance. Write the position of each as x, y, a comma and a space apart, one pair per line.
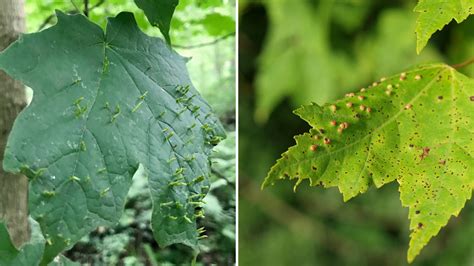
349, 104
361, 97
403, 76
418, 77
313, 147
362, 107
368, 110
327, 141
333, 123
408, 106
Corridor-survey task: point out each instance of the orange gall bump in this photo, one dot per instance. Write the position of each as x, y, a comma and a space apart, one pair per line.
368, 110
313, 147
418, 77
403, 76
333, 107
362, 107
327, 141
361, 97
333, 123
408, 106
349, 104
345, 125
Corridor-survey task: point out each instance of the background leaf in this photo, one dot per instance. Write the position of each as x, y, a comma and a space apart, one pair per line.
381, 134
435, 14
81, 173
217, 24
159, 13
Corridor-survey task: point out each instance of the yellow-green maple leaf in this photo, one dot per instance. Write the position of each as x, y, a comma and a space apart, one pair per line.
415, 128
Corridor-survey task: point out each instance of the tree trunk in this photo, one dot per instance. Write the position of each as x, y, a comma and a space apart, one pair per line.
13, 188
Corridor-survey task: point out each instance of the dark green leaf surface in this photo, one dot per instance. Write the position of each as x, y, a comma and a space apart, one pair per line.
435, 14
159, 13
103, 104
30, 254
415, 128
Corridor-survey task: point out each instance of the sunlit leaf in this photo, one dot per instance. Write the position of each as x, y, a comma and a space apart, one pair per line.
217, 24
414, 128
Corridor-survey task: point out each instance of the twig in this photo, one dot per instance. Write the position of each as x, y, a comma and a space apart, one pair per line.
96, 5
463, 64
50, 17
86, 8
283, 213
205, 43
74, 4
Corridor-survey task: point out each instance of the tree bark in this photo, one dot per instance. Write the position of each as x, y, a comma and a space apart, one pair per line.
13, 188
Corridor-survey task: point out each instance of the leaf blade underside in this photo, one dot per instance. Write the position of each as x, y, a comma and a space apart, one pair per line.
103, 104
435, 14
414, 128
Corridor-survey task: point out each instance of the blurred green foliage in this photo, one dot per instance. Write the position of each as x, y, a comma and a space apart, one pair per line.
295, 52
204, 31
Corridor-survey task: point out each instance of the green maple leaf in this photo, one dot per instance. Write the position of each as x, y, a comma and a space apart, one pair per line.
104, 104
159, 13
435, 14
414, 128
29, 254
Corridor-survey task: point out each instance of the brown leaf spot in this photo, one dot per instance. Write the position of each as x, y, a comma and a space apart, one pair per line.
426, 152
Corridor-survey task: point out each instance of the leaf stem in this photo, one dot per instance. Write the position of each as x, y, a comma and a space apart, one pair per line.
463, 64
